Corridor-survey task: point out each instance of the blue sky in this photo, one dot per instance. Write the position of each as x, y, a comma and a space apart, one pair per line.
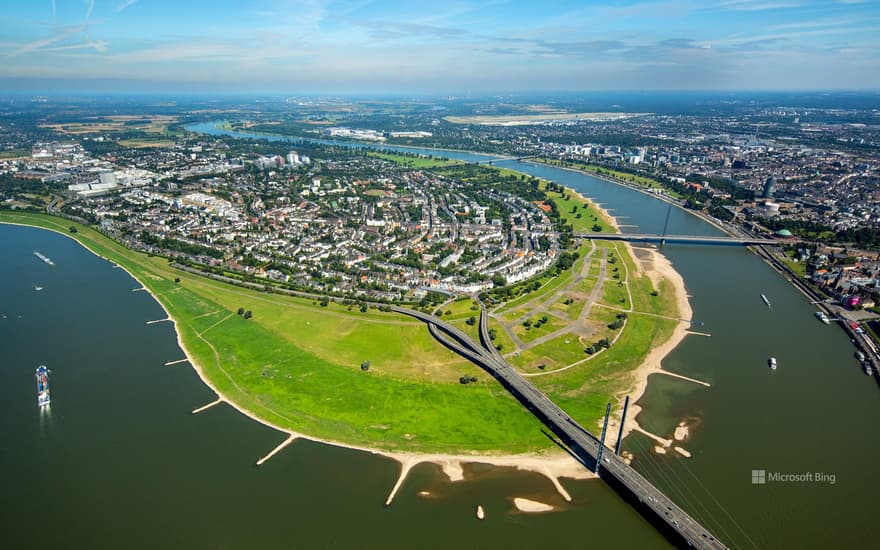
454, 46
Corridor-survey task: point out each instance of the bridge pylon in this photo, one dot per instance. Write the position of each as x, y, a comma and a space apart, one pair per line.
602, 439
622, 424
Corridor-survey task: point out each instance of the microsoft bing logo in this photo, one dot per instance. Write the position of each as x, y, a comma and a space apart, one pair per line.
759, 477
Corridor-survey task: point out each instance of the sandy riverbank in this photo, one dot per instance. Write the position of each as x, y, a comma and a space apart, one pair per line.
661, 269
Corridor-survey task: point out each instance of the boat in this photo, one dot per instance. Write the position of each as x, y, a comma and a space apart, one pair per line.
45, 258
772, 363
42, 374
38, 287
822, 317
868, 370
859, 355
766, 301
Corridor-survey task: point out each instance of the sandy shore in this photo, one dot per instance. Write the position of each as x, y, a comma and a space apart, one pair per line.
526, 505
661, 269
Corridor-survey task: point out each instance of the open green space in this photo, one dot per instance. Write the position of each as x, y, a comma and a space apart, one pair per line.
538, 325
579, 212
415, 161
142, 143
571, 309
263, 364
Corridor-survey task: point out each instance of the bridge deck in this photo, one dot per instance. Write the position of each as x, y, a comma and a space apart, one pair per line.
582, 443
685, 239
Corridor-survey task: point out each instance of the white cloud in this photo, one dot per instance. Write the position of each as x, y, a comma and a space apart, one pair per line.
124, 5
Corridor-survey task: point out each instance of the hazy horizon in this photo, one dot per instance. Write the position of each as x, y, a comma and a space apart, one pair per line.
459, 47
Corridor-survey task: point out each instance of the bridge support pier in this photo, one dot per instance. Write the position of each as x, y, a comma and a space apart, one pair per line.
602, 439
622, 424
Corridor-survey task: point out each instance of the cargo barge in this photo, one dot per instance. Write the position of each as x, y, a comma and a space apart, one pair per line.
42, 374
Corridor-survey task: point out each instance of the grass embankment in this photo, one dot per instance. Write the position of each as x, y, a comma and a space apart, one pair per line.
799, 268
579, 212
584, 389
415, 161
144, 143
297, 365
643, 181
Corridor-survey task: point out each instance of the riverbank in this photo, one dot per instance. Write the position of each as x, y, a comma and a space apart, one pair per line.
550, 462
652, 364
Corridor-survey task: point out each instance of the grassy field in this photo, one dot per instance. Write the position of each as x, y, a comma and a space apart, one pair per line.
15, 153
638, 179
143, 143
297, 365
800, 268
572, 206
415, 162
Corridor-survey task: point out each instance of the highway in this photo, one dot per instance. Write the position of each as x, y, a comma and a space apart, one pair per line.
680, 527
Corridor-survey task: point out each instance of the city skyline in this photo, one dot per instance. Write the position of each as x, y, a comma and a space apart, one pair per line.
458, 47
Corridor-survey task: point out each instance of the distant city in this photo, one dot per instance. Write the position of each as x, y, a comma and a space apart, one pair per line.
316, 216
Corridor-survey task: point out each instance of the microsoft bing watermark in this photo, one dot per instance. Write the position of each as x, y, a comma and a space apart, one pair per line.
763, 477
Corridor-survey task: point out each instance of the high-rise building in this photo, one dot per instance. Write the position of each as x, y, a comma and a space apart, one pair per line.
769, 188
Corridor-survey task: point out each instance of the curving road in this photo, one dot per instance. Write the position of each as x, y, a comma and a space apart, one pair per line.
674, 522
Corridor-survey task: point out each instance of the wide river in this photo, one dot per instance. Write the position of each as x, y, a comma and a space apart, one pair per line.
119, 461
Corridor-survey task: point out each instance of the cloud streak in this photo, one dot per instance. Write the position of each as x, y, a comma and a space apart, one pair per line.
127, 4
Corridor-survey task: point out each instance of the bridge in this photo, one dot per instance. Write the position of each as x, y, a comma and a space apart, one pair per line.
674, 522
493, 161
684, 239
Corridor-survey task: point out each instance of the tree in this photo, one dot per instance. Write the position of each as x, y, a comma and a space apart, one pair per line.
73, 229
324, 301
248, 314
241, 311
365, 366
597, 228
471, 320
177, 279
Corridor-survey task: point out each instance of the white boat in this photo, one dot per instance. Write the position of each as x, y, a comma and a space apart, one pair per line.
766, 301
822, 317
772, 363
859, 355
44, 258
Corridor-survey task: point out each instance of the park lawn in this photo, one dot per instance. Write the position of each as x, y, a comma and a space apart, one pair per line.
471, 330
586, 285
572, 310
583, 390
143, 143
799, 268
418, 162
549, 284
527, 334
595, 268
262, 371
555, 353
461, 309
590, 215
614, 295
501, 337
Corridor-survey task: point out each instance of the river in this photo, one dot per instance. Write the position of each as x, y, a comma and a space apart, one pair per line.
120, 460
